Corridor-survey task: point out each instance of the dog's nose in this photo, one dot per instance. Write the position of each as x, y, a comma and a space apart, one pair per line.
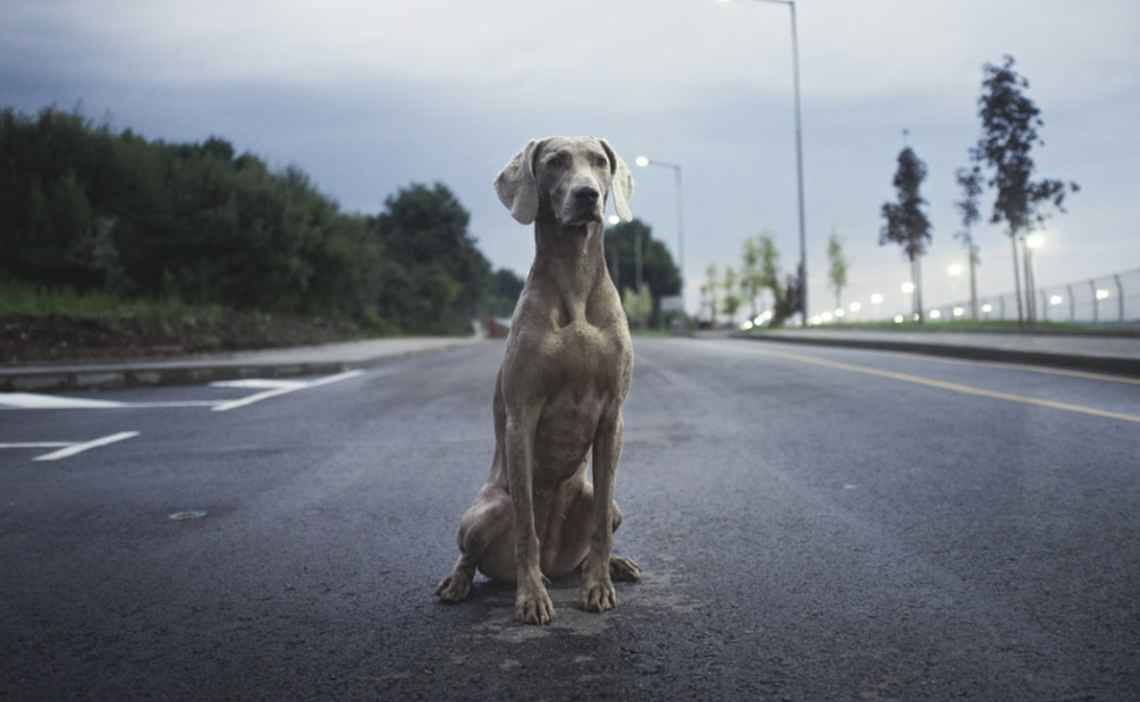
586, 195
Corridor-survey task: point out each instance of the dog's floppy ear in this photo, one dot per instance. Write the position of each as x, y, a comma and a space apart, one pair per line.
622, 182
516, 185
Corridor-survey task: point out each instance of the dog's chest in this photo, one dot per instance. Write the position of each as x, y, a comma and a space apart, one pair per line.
587, 358
587, 370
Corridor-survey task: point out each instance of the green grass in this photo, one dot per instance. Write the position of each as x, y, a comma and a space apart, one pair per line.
38, 301
43, 324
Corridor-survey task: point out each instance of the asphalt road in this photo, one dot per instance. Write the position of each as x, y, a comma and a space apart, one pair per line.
811, 524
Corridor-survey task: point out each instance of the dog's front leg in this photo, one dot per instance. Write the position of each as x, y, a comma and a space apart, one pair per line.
597, 588
532, 602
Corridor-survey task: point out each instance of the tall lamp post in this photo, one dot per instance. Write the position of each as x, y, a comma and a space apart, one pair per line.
791, 5
646, 162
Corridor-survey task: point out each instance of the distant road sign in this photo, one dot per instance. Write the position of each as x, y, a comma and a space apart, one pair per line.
672, 303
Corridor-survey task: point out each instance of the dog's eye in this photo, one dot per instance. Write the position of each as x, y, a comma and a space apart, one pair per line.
559, 159
598, 160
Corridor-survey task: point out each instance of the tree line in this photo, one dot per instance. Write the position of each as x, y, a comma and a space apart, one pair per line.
1001, 159
758, 280
86, 207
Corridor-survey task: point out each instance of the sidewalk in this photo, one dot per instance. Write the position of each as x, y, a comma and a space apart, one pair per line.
268, 363
1119, 355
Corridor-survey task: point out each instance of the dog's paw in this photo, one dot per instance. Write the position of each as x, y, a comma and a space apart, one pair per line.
598, 595
533, 605
454, 588
624, 570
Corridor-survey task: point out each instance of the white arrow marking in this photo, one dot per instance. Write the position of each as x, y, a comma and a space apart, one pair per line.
80, 448
293, 386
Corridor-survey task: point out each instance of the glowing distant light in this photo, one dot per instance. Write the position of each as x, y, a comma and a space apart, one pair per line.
907, 288
1055, 300
747, 326
898, 319
840, 313
915, 316
958, 311
826, 317
855, 306
936, 314
876, 299
814, 321
642, 161
954, 270
1102, 294
1035, 241
987, 308
614, 219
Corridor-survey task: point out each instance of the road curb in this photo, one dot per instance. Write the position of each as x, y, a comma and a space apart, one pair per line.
112, 376
1115, 365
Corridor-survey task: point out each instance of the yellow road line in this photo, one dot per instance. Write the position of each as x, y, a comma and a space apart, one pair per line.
1085, 375
953, 387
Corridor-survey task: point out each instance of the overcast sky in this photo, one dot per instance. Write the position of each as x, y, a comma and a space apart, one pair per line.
369, 95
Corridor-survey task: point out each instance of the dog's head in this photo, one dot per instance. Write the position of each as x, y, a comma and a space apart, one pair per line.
568, 178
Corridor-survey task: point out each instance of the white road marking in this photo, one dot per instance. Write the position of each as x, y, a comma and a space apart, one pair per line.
25, 400
74, 449
257, 383
36, 444
270, 387
283, 389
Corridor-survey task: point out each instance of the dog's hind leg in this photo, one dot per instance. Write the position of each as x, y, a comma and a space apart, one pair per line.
482, 524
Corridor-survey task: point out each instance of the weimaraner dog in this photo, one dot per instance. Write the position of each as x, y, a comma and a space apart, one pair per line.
559, 392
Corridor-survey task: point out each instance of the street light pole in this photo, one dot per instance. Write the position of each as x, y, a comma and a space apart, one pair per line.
645, 162
799, 155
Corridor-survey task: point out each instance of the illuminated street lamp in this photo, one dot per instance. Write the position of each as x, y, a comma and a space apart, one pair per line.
876, 300
907, 288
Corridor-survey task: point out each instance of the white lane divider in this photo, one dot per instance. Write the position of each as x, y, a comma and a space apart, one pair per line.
26, 400
269, 387
67, 449
275, 388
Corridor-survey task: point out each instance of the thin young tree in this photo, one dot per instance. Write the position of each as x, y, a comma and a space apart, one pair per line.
837, 267
712, 283
1010, 121
970, 181
731, 299
750, 274
905, 222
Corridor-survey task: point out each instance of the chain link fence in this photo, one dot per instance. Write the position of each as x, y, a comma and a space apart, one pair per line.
1110, 299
